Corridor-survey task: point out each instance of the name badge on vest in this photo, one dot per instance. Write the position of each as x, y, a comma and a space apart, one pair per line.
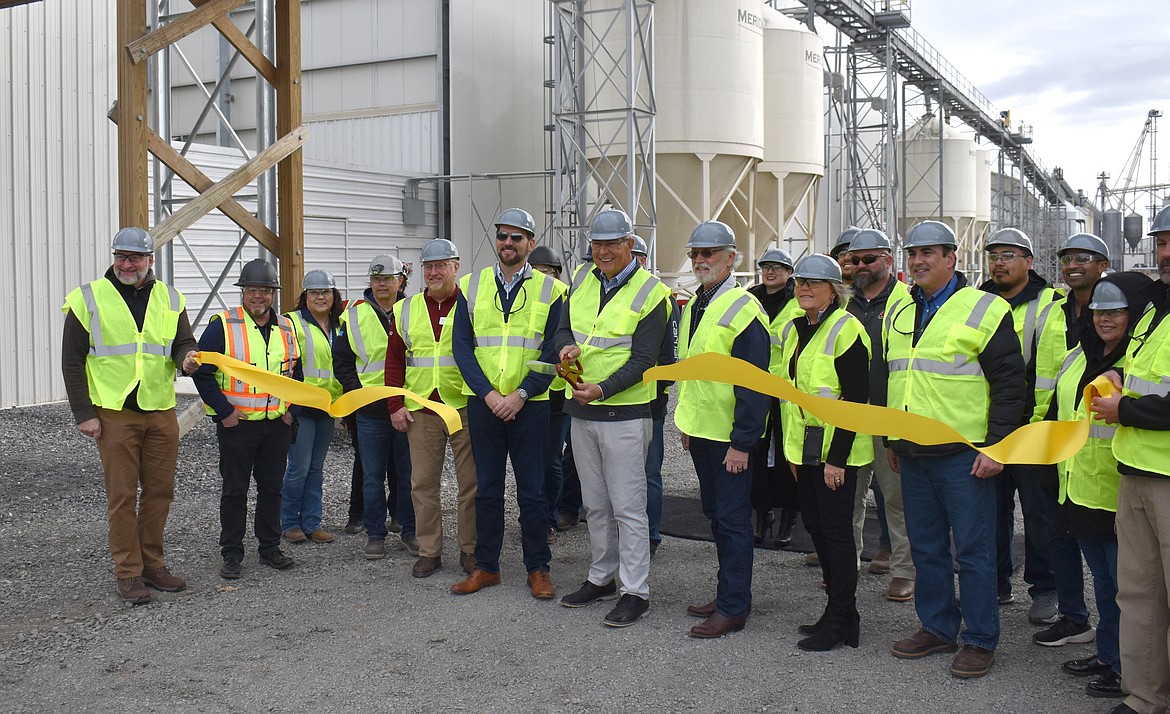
443, 320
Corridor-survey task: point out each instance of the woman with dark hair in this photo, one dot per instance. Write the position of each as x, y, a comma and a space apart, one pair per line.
1089, 480
315, 322
825, 352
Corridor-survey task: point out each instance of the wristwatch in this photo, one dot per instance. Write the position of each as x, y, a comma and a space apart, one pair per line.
522, 393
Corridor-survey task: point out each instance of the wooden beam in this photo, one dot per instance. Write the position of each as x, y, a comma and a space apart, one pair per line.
199, 181
133, 186
290, 173
240, 41
189, 417
172, 32
228, 186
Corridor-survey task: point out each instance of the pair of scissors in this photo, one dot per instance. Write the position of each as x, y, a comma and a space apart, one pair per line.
569, 371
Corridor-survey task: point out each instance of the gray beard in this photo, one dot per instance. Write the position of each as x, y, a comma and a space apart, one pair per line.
861, 281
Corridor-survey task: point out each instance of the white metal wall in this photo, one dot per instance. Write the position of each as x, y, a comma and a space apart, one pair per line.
58, 180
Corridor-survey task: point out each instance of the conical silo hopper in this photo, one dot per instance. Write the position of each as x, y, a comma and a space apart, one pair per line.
942, 167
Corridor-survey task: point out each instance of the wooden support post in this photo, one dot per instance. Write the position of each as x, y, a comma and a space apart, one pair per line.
228, 186
240, 41
172, 32
133, 187
290, 177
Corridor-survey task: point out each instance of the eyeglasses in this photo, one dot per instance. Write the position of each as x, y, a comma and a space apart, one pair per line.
1078, 258
382, 279
319, 292
811, 282
135, 258
704, 252
514, 237
773, 268
436, 266
1005, 258
1112, 314
256, 290
867, 259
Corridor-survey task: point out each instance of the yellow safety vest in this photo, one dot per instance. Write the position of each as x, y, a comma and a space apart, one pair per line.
1089, 478
1051, 352
316, 352
560, 290
787, 314
244, 341
503, 348
1147, 371
816, 374
606, 334
430, 363
121, 357
707, 409
367, 338
941, 377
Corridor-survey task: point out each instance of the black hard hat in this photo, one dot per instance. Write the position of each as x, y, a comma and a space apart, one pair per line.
259, 273
544, 255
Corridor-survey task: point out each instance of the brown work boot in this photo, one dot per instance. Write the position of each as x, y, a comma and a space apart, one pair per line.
467, 562
133, 591
478, 580
163, 579
921, 644
295, 535
704, 611
880, 565
425, 566
972, 661
900, 590
541, 583
322, 536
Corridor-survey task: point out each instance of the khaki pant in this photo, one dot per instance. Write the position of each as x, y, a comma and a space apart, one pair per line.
138, 451
428, 450
901, 566
1143, 580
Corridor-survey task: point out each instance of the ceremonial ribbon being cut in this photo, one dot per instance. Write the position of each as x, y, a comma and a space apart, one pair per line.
1045, 442
308, 395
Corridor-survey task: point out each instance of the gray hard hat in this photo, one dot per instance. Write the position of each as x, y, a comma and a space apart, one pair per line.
930, 233
517, 217
610, 224
438, 249
844, 240
258, 273
1108, 296
1010, 236
818, 266
318, 280
1085, 242
386, 265
1161, 222
544, 255
640, 247
775, 255
869, 239
132, 240
712, 234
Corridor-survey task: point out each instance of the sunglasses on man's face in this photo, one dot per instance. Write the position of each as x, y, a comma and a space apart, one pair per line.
867, 259
514, 237
704, 252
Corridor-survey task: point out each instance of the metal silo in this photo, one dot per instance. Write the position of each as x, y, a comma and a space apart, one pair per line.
1111, 232
1132, 231
939, 171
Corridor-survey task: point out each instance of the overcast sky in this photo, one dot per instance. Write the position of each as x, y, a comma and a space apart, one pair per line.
1084, 75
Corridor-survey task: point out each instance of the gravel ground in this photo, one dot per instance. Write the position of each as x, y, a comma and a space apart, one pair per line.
340, 633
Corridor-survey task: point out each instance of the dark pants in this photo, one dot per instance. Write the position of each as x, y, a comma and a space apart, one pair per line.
251, 450
554, 458
773, 486
727, 503
357, 503
493, 442
828, 518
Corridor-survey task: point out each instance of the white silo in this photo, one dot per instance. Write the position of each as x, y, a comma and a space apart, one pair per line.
794, 130
940, 170
984, 164
709, 133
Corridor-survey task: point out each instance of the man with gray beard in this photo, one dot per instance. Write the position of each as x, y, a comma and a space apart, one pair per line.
874, 284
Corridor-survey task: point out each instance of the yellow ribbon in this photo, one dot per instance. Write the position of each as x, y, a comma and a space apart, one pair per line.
308, 395
1046, 442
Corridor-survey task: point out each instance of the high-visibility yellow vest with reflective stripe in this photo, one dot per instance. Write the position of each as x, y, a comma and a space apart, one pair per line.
430, 363
560, 290
941, 377
606, 334
707, 409
367, 338
1147, 371
244, 341
816, 374
1026, 317
316, 352
503, 348
787, 314
120, 357
1090, 477
1051, 352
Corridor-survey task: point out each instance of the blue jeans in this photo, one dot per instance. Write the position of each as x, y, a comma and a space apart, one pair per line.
1039, 526
727, 503
378, 438
300, 499
654, 456
492, 442
1101, 555
554, 469
943, 500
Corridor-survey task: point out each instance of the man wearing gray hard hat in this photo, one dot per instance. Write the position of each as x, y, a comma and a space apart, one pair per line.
419, 357
876, 286
840, 253
252, 427
359, 360
1142, 412
124, 335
